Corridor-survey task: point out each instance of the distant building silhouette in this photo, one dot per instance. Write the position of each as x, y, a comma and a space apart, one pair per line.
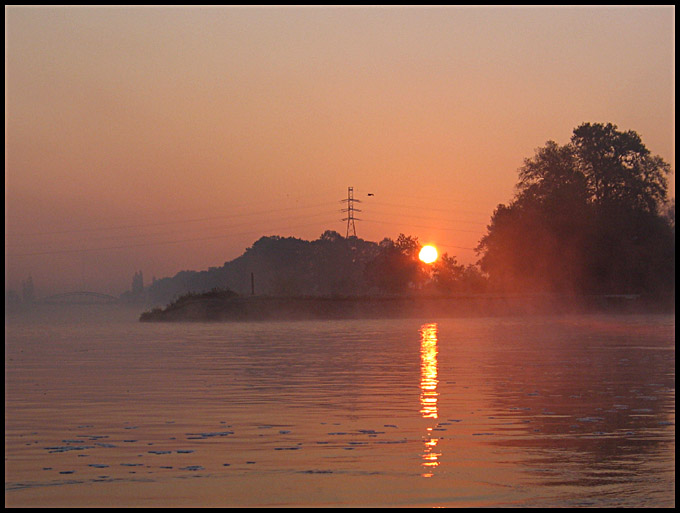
137, 283
136, 294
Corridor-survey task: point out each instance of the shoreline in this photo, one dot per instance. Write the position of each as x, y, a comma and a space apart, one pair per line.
226, 308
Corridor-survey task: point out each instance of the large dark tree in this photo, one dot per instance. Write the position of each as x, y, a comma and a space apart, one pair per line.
620, 170
586, 217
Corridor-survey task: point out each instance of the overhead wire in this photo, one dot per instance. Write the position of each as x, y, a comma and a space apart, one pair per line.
159, 223
230, 226
428, 207
156, 243
420, 226
252, 220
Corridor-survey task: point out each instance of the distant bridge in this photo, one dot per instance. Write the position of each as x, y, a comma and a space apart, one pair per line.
84, 297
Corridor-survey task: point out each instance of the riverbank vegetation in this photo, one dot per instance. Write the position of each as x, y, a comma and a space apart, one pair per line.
591, 217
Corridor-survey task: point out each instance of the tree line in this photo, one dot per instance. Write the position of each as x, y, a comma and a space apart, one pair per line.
592, 216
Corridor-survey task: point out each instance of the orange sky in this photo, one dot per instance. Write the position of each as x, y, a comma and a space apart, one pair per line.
165, 139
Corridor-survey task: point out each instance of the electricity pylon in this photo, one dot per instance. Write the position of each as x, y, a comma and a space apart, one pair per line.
350, 212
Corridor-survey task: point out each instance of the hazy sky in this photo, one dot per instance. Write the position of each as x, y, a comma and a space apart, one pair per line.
170, 138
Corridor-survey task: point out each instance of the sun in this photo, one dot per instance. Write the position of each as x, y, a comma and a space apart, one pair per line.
428, 254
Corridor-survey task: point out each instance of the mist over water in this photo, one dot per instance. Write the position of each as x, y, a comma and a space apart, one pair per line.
569, 410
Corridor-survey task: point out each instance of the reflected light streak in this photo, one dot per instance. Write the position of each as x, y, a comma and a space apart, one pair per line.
430, 457
428, 393
428, 370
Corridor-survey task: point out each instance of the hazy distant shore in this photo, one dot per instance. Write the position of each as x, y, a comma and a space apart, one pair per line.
209, 307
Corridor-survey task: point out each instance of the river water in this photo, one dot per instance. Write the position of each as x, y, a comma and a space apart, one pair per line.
102, 410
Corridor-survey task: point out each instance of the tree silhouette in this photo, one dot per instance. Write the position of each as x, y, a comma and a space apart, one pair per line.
447, 274
589, 216
396, 268
620, 170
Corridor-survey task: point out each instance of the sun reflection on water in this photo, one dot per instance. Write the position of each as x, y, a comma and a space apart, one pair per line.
428, 370
428, 393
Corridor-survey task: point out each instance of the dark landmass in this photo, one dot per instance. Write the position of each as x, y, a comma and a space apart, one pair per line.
221, 306
590, 228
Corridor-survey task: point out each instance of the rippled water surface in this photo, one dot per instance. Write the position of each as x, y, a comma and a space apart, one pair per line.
511, 411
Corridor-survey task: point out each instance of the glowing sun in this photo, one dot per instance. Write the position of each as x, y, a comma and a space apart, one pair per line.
428, 254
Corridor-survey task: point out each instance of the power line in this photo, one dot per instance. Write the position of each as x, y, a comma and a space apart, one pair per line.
350, 219
159, 243
402, 206
437, 219
122, 237
431, 198
161, 223
422, 226
446, 245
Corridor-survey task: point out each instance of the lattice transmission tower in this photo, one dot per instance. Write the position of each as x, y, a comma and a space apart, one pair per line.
350, 212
